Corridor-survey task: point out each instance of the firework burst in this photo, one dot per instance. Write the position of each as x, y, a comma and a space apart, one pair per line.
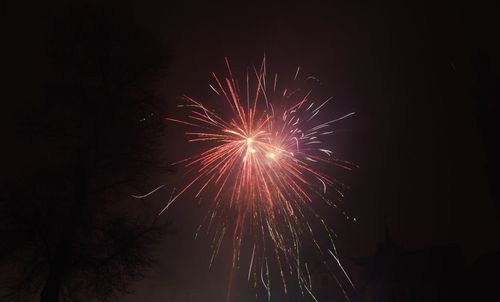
261, 169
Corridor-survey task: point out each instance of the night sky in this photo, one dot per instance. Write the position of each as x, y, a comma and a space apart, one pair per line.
422, 79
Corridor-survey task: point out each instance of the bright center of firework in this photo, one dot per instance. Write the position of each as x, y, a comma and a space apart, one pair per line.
250, 149
271, 155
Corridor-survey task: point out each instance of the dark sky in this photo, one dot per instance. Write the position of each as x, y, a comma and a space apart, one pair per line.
406, 69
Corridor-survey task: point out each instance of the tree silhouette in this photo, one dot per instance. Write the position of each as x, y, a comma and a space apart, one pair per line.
70, 230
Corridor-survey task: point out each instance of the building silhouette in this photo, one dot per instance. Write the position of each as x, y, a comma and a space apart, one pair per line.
396, 274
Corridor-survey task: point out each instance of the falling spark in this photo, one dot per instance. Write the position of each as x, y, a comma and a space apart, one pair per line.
147, 194
262, 169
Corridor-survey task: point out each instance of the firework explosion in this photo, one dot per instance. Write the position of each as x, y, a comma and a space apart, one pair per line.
260, 169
